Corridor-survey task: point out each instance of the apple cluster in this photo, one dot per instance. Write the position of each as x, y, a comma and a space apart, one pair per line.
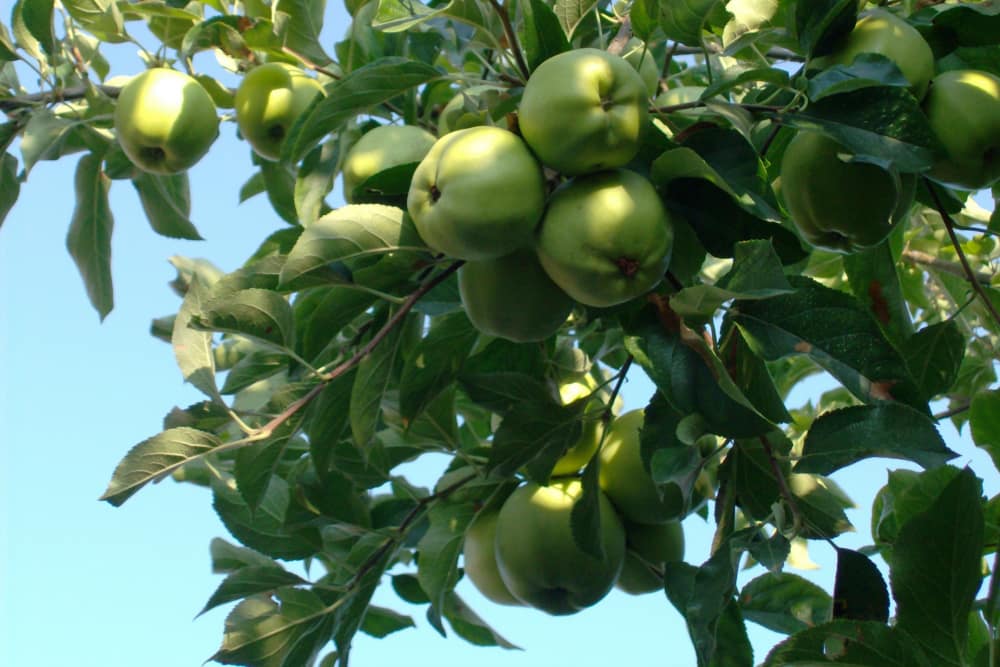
524, 552
480, 194
820, 180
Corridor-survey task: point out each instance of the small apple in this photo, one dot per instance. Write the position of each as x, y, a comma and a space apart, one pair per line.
881, 32
469, 108
605, 238
478, 194
824, 195
577, 456
583, 111
379, 149
165, 121
625, 481
268, 100
480, 561
512, 297
641, 58
649, 545
538, 557
963, 107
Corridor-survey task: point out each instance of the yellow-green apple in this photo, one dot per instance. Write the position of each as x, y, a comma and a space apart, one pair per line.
480, 561
379, 149
269, 99
649, 545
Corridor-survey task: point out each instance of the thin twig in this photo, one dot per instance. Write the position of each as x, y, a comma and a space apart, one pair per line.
608, 414
949, 224
512, 41
954, 268
779, 476
8, 104
951, 412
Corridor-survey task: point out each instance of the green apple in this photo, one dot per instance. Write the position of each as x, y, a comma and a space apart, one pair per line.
381, 148
480, 561
605, 238
625, 481
641, 58
886, 34
577, 456
963, 107
583, 111
165, 121
478, 194
824, 195
268, 100
539, 560
512, 297
679, 95
649, 545
469, 108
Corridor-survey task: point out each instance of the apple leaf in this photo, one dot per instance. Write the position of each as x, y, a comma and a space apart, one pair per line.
541, 34
964, 25
934, 355
875, 283
684, 20
370, 384
256, 465
252, 368
667, 460
251, 580
984, 419
380, 622
314, 180
89, 237
302, 31
355, 93
156, 458
279, 185
749, 473
785, 602
867, 70
820, 24
842, 437
821, 503
572, 12
859, 591
258, 313
435, 363
8, 52
350, 232
101, 18
501, 390
535, 434
468, 625
440, 547
907, 494
402, 15
849, 643
645, 17
585, 517
166, 201
935, 570
228, 557
37, 17
835, 331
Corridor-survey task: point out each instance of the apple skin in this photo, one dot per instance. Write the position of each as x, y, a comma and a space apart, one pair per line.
165, 121
822, 191
625, 481
512, 297
268, 100
584, 111
963, 107
538, 558
653, 544
605, 238
480, 561
579, 455
884, 33
382, 148
474, 213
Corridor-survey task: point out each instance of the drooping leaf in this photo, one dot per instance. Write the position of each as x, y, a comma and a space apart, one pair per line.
535, 434
820, 24
370, 383
859, 591
156, 458
252, 368
251, 580
867, 70
281, 632
785, 602
984, 419
314, 180
839, 438
257, 313
437, 569
193, 348
875, 283
381, 622
228, 558
89, 237
684, 20
572, 12
166, 201
101, 18
851, 644
302, 31
585, 517
10, 187
468, 625
436, 362
934, 356
499, 391
37, 18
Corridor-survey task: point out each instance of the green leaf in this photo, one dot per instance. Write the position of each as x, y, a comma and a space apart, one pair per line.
101, 18
984, 419
934, 356
749, 472
435, 363
251, 580
327, 420
501, 390
227, 557
156, 458
907, 494
370, 384
265, 530
355, 93
8, 52
669, 461
258, 313
821, 503
867, 70
851, 644
837, 333
350, 232
893, 430
439, 548
193, 348
267, 632
684, 20
859, 591
408, 588
37, 17
875, 283
10, 187
279, 185
785, 602
167, 203
820, 24
535, 434
89, 237
585, 516
381, 622
314, 180
572, 12
49, 137
252, 368
935, 570
541, 34
752, 375
469, 626
304, 27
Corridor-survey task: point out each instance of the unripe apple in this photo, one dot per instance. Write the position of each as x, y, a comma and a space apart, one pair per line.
165, 121
641, 58
648, 545
480, 561
381, 148
963, 107
268, 100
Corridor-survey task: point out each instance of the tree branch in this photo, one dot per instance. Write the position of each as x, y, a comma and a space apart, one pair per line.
954, 268
8, 104
512, 41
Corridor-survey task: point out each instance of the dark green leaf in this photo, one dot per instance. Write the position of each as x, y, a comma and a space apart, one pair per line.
499, 391
439, 548
167, 203
303, 29
934, 355
984, 418
935, 571
227, 558
752, 376
381, 622
820, 24
585, 517
370, 384
785, 602
851, 644
572, 12
535, 434
875, 283
37, 17
265, 529
314, 180
251, 580
407, 587
264, 632
469, 626
867, 70
684, 20
357, 92
156, 458
821, 504
859, 591
89, 237
435, 363
258, 313
10, 187
279, 184
541, 34
252, 368
8, 52
193, 348
842, 437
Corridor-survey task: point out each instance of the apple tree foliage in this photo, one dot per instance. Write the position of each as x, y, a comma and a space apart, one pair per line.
340, 349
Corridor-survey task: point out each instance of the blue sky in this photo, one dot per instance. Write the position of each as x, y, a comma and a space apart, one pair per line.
89, 585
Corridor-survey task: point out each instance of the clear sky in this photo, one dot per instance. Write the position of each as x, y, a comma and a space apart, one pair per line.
89, 585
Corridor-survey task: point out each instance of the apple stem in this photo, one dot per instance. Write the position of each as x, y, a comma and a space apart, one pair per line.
628, 266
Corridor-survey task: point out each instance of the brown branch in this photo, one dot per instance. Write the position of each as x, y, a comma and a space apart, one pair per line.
954, 268
8, 104
949, 225
620, 39
512, 41
952, 411
775, 53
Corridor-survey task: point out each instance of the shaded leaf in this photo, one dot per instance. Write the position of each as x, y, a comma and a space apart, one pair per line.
469, 626
437, 569
875, 283
535, 434
435, 363
381, 622
167, 203
265, 529
89, 236
859, 591
785, 602
984, 420
251, 580
934, 356
264, 632
849, 643
10, 187
258, 313
228, 557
